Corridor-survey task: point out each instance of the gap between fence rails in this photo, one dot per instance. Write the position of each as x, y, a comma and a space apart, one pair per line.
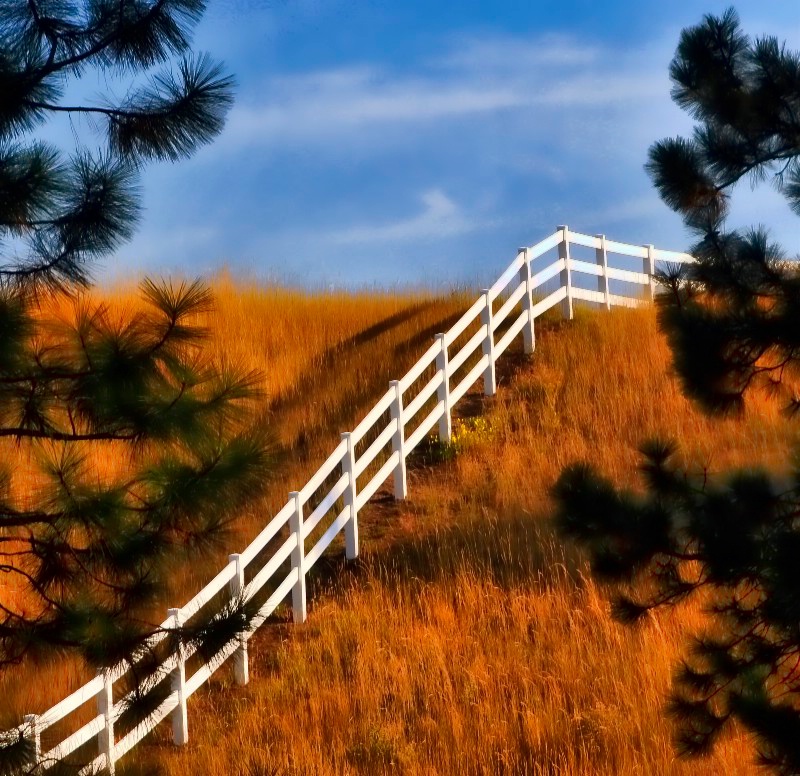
232, 576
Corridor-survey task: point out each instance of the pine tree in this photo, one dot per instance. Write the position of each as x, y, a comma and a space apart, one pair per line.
93, 553
733, 323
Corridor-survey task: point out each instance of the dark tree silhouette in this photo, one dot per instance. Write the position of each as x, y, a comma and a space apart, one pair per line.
93, 551
733, 323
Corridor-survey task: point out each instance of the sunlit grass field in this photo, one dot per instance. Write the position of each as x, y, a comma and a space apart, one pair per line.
323, 360
466, 639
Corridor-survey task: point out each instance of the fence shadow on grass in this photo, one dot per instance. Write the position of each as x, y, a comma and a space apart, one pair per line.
368, 349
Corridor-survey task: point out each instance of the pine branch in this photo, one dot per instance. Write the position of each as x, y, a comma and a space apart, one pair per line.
174, 115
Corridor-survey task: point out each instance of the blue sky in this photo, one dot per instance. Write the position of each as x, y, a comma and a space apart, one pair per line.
400, 142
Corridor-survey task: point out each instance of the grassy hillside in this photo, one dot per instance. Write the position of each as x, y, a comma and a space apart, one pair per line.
466, 639
324, 359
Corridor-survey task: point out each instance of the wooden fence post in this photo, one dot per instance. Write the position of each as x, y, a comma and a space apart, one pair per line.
299, 609
105, 708
649, 268
399, 442
34, 734
241, 666
566, 275
601, 257
528, 333
443, 391
180, 715
351, 529
489, 374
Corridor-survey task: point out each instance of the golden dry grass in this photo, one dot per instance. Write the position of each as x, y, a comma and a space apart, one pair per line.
324, 359
466, 639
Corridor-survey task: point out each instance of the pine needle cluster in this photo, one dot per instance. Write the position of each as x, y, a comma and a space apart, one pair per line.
94, 553
733, 323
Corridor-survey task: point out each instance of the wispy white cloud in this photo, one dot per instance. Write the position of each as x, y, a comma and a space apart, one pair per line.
495, 136
509, 54
475, 79
546, 113
589, 90
440, 217
319, 105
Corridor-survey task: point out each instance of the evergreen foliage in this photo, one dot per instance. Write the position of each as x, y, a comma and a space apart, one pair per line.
733, 323
93, 551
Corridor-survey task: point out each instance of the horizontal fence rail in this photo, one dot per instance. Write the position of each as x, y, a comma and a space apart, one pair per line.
418, 403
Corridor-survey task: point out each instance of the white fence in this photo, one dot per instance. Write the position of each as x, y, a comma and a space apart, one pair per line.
417, 399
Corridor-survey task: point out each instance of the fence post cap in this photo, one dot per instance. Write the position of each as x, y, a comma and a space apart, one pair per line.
393, 383
438, 336
345, 435
234, 556
294, 494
